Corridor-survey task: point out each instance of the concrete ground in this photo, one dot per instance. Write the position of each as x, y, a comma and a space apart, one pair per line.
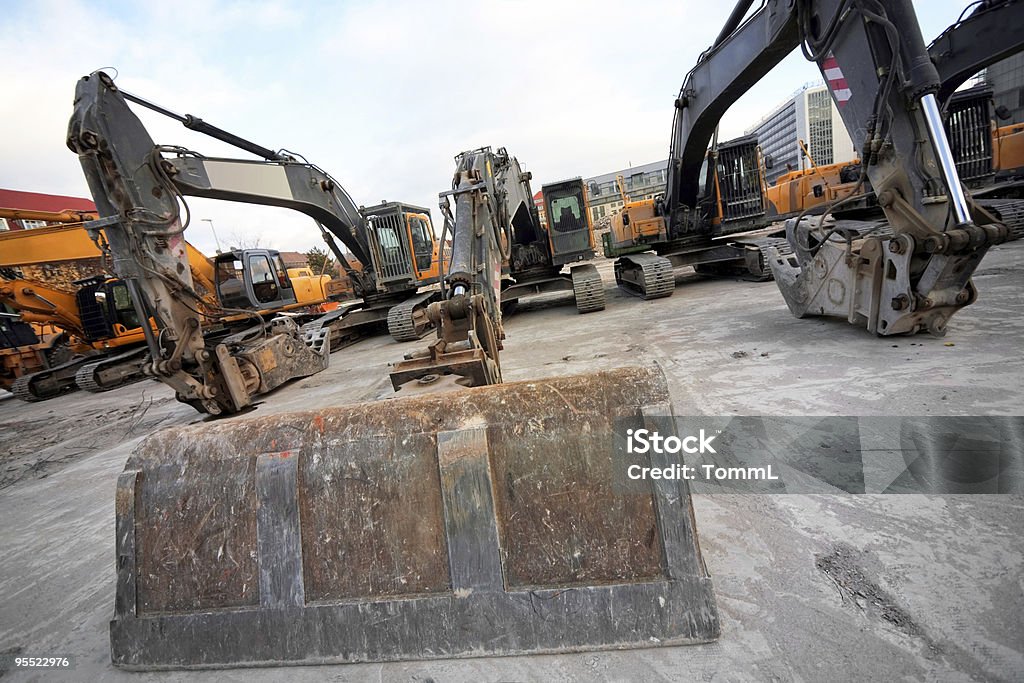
821, 587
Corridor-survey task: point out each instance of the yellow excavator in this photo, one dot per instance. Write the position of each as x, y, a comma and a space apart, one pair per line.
491, 519
805, 189
56, 276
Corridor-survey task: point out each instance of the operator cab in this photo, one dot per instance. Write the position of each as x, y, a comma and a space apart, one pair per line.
253, 280
402, 245
565, 204
105, 308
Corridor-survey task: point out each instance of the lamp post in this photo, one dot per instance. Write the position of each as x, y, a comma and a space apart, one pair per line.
210, 221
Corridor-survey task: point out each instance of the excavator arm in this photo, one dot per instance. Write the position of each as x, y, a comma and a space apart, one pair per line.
990, 33
911, 272
137, 193
489, 190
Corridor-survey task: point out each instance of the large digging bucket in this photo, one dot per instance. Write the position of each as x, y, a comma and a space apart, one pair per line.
481, 522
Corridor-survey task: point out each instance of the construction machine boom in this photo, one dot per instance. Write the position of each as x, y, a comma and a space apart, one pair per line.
987, 157
491, 199
137, 186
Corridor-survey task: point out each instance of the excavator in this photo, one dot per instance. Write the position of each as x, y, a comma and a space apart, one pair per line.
87, 334
538, 252
394, 245
730, 202
817, 186
718, 215
989, 157
57, 276
470, 520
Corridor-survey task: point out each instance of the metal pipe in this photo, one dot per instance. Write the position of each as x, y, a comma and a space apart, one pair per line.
947, 166
197, 124
139, 304
733, 21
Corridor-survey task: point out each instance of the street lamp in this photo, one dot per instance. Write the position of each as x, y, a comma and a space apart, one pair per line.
210, 221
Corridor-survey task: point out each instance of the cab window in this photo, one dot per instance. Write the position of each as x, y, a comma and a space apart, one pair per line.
566, 213
230, 286
702, 187
263, 284
124, 311
422, 243
282, 272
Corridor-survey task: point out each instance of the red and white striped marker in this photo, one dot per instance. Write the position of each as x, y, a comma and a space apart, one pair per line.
836, 80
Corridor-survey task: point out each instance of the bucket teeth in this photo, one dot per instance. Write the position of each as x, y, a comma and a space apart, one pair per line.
395, 530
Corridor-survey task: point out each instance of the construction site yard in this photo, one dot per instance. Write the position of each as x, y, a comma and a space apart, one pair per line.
823, 587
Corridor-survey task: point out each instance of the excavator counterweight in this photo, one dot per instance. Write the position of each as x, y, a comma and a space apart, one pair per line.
396, 530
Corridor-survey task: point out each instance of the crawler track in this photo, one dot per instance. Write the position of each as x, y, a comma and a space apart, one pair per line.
588, 289
646, 275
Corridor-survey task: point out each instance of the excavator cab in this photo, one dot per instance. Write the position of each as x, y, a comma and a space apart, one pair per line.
106, 309
253, 279
735, 194
402, 245
570, 235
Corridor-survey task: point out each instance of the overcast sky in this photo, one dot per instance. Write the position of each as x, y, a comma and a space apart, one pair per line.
382, 95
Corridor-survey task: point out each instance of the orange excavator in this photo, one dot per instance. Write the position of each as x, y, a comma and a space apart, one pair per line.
77, 327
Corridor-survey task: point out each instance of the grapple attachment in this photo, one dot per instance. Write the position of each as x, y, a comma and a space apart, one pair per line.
488, 522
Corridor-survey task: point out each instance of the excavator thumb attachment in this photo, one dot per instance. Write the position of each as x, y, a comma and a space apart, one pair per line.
487, 523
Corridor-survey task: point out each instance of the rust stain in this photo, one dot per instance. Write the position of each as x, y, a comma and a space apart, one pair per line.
318, 421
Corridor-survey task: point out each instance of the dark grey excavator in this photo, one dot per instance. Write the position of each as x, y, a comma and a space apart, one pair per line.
218, 360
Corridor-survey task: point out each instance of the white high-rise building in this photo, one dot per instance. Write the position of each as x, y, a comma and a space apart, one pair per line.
809, 115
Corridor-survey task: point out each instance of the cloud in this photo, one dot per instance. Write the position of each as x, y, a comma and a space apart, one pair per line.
381, 94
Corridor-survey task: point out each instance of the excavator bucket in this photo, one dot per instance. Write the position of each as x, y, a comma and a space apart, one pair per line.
493, 522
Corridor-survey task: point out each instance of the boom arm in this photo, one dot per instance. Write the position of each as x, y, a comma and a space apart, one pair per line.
490, 190
882, 79
990, 33
136, 191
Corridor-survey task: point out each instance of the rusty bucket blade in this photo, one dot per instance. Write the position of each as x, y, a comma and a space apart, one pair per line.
482, 522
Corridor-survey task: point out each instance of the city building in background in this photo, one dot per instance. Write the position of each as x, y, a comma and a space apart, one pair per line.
642, 182
809, 115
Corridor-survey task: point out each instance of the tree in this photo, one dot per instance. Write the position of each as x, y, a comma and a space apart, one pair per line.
317, 258
246, 241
